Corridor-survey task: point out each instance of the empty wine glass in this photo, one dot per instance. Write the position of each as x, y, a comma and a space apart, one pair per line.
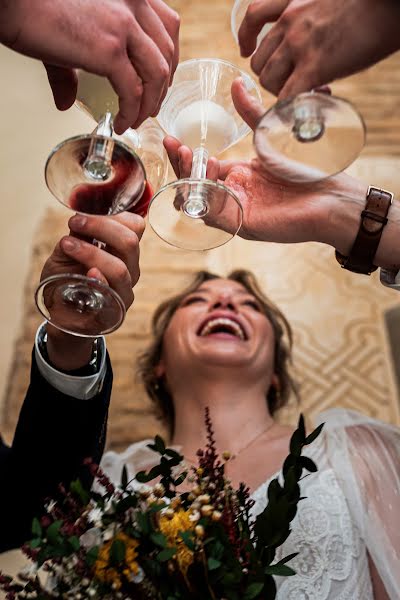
91, 174
309, 137
196, 213
237, 15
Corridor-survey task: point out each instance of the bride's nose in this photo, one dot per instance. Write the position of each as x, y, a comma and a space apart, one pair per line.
224, 302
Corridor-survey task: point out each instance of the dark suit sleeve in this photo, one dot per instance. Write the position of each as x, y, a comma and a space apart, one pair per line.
55, 433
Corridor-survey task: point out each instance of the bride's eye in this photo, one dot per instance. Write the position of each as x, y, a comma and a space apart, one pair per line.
193, 300
253, 304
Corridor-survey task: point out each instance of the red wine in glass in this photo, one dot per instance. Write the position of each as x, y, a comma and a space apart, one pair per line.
118, 193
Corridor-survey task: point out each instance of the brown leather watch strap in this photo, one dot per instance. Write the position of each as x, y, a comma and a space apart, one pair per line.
373, 220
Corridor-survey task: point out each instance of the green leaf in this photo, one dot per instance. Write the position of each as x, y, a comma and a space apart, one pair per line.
124, 477
253, 590
35, 543
117, 551
36, 527
53, 533
158, 539
281, 570
74, 543
287, 558
166, 554
308, 464
78, 490
296, 443
302, 429
314, 434
91, 556
158, 445
181, 478
213, 564
187, 538
143, 522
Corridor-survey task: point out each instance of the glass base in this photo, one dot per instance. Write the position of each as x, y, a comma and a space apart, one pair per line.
80, 305
195, 214
83, 182
309, 138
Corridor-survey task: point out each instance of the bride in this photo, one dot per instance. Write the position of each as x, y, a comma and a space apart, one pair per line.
221, 343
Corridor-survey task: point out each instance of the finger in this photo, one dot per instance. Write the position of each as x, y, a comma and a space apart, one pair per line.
154, 27
265, 50
64, 85
129, 88
172, 146
120, 240
248, 107
113, 268
154, 72
300, 81
276, 72
213, 169
96, 274
257, 15
185, 161
133, 221
171, 21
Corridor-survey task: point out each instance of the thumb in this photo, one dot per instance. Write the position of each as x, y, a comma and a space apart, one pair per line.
64, 84
248, 107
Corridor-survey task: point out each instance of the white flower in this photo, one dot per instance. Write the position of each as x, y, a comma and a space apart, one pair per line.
138, 578
91, 538
51, 506
95, 516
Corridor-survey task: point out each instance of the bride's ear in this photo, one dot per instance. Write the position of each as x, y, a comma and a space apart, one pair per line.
159, 370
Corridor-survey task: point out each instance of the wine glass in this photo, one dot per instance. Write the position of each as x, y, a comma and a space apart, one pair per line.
196, 213
91, 174
237, 15
309, 137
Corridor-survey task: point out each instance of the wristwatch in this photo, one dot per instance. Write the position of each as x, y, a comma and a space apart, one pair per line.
373, 220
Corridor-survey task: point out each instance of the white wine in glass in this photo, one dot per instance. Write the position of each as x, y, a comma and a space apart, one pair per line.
196, 213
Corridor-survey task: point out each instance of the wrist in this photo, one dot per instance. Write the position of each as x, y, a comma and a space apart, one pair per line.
341, 212
67, 352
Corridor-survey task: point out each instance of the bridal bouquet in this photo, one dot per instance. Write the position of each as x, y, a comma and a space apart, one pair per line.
153, 542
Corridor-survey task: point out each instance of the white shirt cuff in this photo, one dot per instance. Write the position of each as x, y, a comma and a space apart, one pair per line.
82, 388
390, 279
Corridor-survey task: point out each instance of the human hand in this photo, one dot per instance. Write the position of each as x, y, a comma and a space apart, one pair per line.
134, 43
273, 209
314, 42
117, 266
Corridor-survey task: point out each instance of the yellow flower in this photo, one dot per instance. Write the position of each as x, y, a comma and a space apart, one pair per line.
109, 574
171, 527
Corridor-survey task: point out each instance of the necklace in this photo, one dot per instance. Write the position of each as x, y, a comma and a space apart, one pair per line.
229, 455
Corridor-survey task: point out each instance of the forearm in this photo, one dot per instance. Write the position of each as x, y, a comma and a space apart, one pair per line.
340, 220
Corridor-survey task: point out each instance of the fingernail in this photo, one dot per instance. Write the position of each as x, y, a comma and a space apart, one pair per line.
78, 221
70, 244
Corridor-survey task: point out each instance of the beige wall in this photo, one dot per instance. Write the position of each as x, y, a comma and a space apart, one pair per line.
29, 127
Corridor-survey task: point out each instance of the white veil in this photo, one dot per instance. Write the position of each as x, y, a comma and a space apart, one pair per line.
365, 454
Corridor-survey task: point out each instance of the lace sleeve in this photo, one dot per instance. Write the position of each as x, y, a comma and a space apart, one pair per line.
365, 454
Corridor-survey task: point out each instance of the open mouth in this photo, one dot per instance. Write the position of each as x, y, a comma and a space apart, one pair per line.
223, 326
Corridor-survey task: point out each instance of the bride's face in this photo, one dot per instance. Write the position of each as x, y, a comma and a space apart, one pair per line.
219, 325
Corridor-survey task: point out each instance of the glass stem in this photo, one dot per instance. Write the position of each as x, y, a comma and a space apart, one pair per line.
196, 205
309, 123
97, 165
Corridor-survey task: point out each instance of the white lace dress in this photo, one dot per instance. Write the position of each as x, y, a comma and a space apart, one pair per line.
352, 509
